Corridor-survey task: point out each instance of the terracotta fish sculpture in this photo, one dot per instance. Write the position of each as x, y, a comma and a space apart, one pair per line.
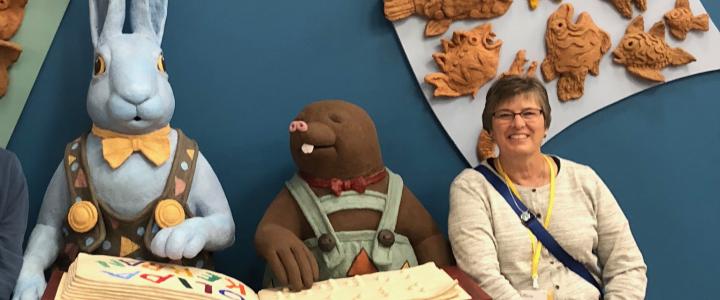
645, 54
624, 7
11, 15
468, 61
516, 69
9, 54
441, 13
573, 50
681, 20
485, 147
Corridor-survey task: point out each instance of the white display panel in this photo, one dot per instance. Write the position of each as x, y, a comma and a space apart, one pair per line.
522, 28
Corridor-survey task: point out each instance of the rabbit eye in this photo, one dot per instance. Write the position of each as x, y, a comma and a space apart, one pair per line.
161, 64
99, 66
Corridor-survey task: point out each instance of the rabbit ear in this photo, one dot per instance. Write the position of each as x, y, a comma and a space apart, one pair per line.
106, 18
148, 16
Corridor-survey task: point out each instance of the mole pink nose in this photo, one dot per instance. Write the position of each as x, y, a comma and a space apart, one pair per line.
298, 126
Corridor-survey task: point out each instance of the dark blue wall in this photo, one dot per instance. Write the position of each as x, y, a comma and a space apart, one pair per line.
241, 70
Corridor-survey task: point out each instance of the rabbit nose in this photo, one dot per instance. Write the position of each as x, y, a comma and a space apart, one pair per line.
138, 100
138, 94
298, 126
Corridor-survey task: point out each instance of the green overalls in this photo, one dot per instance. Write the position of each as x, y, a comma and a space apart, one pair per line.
349, 253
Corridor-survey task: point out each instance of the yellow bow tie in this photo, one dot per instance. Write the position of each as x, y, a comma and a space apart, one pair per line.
117, 147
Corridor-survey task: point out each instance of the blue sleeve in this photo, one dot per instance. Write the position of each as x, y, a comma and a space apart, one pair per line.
13, 220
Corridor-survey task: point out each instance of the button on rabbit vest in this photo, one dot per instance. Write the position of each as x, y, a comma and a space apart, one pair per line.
92, 226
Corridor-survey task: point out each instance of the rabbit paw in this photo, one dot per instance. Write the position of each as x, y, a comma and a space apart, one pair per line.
30, 286
184, 240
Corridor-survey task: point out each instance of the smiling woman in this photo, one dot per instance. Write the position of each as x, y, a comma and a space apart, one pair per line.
491, 244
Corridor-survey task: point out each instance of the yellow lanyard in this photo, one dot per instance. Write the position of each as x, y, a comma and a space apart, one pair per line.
535, 244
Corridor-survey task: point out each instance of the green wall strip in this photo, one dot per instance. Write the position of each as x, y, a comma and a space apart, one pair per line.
42, 19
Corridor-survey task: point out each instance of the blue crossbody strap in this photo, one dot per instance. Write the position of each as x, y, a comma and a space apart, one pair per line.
537, 229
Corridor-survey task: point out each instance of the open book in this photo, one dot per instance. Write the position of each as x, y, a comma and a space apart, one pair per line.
106, 277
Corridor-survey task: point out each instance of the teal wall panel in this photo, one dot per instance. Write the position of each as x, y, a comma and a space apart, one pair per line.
241, 70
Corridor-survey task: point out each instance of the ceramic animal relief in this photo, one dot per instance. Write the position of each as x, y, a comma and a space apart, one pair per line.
9, 53
11, 15
681, 20
624, 7
441, 13
573, 50
485, 147
516, 69
467, 62
645, 54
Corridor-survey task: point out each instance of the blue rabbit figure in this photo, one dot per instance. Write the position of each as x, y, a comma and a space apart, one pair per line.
132, 186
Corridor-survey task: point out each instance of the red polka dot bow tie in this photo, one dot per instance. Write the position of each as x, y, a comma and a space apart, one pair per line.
337, 185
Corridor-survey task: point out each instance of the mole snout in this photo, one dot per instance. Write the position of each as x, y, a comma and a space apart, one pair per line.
298, 126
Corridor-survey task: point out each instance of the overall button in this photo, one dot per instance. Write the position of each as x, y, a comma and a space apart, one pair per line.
386, 238
82, 216
326, 242
168, 213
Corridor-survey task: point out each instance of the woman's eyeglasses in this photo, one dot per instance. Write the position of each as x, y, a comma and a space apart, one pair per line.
528, 114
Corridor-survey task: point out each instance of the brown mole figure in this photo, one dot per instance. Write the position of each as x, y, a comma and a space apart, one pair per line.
344, 213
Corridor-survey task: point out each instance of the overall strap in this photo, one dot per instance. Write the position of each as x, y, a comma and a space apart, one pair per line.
183, 169
382, 253
84, 225
177, 186
537, 228
316, 217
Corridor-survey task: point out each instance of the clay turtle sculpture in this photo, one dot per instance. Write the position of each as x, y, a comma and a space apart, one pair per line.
573, 50
441, 13
681, 20
468, 61
645, 54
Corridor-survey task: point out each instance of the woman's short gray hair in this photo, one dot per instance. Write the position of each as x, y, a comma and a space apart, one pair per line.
508, 87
